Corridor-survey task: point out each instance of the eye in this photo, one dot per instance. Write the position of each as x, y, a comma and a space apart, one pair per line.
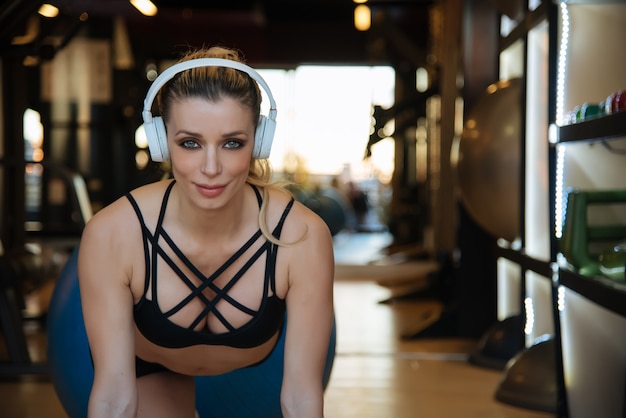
233, 144
189, 144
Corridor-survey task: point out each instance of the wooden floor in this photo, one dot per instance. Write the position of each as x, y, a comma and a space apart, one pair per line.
376, 374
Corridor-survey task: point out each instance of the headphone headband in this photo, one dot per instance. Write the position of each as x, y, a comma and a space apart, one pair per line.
155, 128
175, 69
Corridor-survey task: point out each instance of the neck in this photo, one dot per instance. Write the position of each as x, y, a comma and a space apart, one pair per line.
224, 221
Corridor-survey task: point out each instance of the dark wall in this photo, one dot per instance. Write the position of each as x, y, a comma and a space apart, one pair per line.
477, 275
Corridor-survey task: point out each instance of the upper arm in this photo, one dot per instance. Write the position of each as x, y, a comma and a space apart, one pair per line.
107, 305
310, 311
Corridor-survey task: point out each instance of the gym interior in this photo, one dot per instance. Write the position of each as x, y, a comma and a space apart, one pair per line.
467, 156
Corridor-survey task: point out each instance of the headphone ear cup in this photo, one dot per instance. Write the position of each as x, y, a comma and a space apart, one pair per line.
157, 139
264, 137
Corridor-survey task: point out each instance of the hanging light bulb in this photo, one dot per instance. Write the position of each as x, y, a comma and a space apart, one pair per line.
145, 7
362, 17
48, 10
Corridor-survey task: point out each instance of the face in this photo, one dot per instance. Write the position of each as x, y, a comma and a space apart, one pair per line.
210, 146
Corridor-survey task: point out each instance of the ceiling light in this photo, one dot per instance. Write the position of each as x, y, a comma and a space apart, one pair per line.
48, 10
145, 7
362, 17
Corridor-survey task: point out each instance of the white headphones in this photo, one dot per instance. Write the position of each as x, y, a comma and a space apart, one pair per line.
155, 127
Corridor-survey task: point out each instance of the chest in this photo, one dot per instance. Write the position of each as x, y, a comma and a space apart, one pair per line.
211, 289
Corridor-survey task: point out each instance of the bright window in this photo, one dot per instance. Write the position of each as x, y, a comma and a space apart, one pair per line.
324, 116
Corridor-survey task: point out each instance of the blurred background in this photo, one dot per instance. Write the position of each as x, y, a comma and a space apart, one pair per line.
468, 152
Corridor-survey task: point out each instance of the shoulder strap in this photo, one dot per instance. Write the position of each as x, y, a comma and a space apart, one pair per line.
259, 198
135, 206
279, 227
158, 230
145, 236
166, 197
270, 266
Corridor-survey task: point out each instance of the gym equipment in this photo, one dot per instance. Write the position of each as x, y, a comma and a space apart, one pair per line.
529, 380
329, 204
155, 127
502, 342
615, 102
613, 262
252, 391
69, 358
582, 243
488, 163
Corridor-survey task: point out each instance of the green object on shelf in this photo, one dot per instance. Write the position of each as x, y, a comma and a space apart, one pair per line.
578, 234
578, 113
590, 111
613, 262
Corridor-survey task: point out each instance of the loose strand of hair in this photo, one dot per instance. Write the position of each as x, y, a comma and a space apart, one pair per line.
260, 176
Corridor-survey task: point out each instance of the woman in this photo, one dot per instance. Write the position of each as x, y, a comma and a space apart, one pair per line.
192, 276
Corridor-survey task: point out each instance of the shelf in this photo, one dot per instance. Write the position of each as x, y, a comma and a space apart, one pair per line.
598, 129
606, 292
543, 268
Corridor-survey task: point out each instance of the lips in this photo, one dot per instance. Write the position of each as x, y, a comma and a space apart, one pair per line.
210, 190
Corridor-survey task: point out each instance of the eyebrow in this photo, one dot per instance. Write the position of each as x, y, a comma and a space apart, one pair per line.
185, 132
191, 133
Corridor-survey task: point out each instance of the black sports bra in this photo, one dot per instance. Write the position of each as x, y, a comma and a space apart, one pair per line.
156, 326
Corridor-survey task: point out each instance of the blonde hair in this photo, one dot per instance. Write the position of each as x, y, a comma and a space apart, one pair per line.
212, 83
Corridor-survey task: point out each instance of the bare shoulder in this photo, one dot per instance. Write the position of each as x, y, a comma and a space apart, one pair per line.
115, 228
108, 233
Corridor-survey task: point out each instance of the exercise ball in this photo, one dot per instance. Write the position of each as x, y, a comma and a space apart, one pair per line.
252, 391
487, 163
69, 358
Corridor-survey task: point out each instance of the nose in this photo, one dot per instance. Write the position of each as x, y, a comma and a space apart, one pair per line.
211, 165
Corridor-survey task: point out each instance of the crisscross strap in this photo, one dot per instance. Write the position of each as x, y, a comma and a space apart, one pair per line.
221, 293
